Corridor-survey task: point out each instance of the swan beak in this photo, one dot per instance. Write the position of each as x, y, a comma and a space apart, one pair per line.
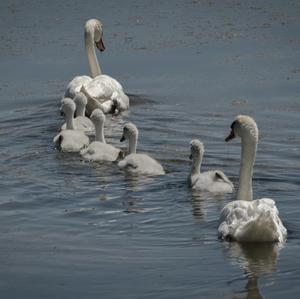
100, 45
122, 138
230, 136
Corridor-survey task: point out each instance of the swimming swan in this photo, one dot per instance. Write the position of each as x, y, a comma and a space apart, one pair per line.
247, 220
137, 163
214, 181
99, 150
81, 122
98, 88
70, 139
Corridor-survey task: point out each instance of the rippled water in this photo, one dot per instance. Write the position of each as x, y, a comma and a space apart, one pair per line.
87, 230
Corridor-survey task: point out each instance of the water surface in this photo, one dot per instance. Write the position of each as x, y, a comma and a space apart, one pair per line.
86, 230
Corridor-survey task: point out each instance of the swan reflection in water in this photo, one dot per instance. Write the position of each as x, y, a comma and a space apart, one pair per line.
255, 259
203, 202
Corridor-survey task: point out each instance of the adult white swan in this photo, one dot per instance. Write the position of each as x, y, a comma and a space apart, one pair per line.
98, 88
247, 220
214, 181
99, 150
70, 139
137, 163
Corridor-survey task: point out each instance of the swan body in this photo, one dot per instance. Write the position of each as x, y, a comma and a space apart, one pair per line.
99, 150
70, 139
137, 163
98, 88
247, 220
214, 181
81, 122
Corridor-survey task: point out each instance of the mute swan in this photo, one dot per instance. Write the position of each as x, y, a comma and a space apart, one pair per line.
98, 88
214, 181
244, 219
81, 122
70, 140
99, 150
137, 163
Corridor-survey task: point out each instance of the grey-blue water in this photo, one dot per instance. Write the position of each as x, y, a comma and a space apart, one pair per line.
70, 229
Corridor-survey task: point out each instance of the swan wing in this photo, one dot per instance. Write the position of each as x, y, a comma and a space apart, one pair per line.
102, 87
220, 175
75, 85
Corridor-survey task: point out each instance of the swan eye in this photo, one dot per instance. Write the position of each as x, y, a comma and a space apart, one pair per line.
232, 125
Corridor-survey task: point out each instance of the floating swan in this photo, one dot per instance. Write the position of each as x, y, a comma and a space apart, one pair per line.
98, 88
214, 181
137, 163
244, 219
70, 139
99, 150
81, 122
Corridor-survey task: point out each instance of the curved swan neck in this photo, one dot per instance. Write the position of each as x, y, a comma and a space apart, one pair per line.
248, 153
70, 125
89, 35
99, 132
132, 144
196, 164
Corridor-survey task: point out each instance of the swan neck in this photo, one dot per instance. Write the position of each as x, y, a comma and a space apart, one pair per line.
89, 35
70, 125
99, 132
132, 144
196, 164
248, 153
80, 111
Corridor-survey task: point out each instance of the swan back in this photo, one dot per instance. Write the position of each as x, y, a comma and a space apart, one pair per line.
251, 221
98, 151
71, 141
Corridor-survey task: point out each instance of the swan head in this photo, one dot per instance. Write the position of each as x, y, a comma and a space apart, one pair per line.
68, 106
197, 149
97, 116
129, 131
80, 99
245, 127
94, 25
